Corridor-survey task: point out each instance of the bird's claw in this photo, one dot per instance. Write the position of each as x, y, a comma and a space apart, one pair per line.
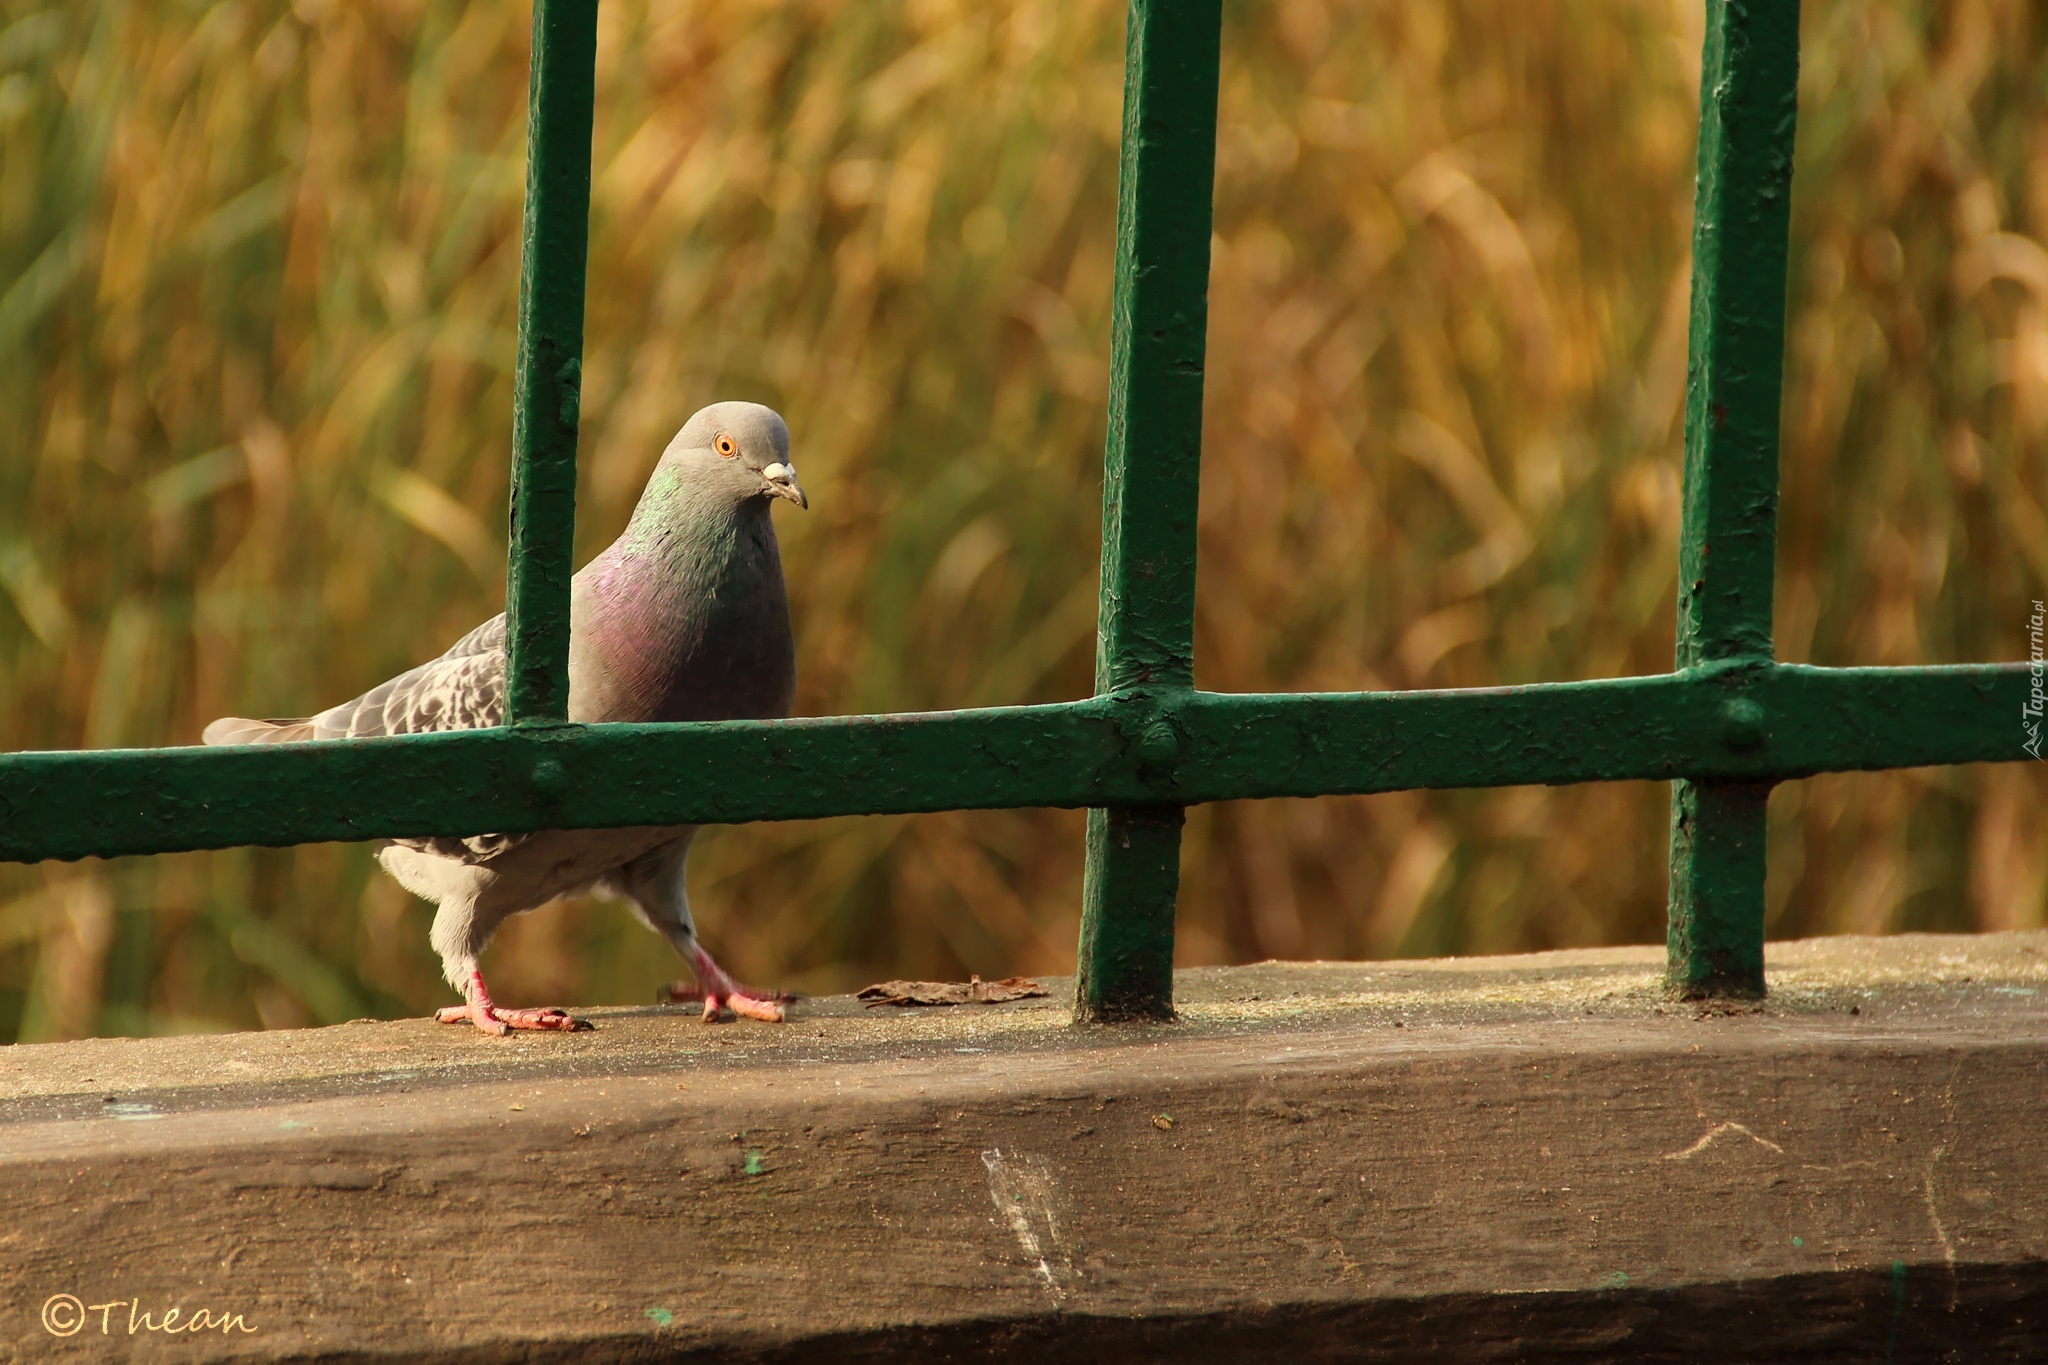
767, 1010
489, 1019
743, 1001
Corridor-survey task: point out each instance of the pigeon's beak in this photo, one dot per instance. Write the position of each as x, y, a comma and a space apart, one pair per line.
782, 484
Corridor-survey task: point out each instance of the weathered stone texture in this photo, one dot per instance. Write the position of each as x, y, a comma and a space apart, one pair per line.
1512, 1157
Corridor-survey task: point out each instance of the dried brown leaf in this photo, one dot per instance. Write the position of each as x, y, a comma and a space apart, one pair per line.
971, 992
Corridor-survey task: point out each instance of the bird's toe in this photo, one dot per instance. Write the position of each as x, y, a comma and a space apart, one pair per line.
547, 1020
767, 1011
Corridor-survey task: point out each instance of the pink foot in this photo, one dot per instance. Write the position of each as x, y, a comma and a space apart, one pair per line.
489, 1019
720, 992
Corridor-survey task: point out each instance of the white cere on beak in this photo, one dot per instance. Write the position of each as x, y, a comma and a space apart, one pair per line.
782, 483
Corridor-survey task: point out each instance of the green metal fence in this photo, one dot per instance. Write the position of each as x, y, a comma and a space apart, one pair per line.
1725, 726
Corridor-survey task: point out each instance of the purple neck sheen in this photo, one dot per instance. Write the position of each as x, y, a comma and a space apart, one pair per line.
638, 609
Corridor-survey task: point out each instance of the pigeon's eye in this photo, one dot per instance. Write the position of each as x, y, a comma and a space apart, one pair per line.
726, 446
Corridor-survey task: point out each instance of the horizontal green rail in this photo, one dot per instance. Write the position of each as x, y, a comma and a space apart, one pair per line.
1776, 721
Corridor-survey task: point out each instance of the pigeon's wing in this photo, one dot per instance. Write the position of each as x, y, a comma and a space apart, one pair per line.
485, 639
464, 689
242, 730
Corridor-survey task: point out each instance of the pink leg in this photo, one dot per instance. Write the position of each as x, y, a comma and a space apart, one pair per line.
719, 992
488, 1018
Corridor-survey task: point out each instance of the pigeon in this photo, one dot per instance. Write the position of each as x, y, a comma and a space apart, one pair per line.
684, 617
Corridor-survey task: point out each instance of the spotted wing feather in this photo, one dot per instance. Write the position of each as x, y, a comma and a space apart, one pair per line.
464, 689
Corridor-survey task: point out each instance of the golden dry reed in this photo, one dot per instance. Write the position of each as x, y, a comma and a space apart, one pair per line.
257, 278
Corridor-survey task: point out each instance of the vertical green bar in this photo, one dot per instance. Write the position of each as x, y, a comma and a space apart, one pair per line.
548, 387
1749, 87
1151, 476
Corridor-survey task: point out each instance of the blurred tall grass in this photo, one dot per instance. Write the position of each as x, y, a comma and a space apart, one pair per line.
257, 268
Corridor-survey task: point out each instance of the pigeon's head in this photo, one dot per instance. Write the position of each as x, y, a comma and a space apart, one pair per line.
742, 447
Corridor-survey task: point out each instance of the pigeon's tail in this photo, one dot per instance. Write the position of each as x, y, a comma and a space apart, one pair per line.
236, 730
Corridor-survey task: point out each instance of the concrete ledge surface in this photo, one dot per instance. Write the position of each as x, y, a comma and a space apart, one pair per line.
1495, 1158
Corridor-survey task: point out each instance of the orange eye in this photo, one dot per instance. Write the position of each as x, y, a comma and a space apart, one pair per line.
725, 446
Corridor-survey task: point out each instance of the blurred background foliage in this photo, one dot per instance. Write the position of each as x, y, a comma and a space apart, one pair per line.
257, 281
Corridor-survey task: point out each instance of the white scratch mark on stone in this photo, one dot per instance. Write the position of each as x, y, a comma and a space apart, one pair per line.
133, 1112
1025, 1195
1707, 1140
1948, 1251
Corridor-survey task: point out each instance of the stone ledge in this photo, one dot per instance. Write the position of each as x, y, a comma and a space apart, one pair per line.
1482, 1158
